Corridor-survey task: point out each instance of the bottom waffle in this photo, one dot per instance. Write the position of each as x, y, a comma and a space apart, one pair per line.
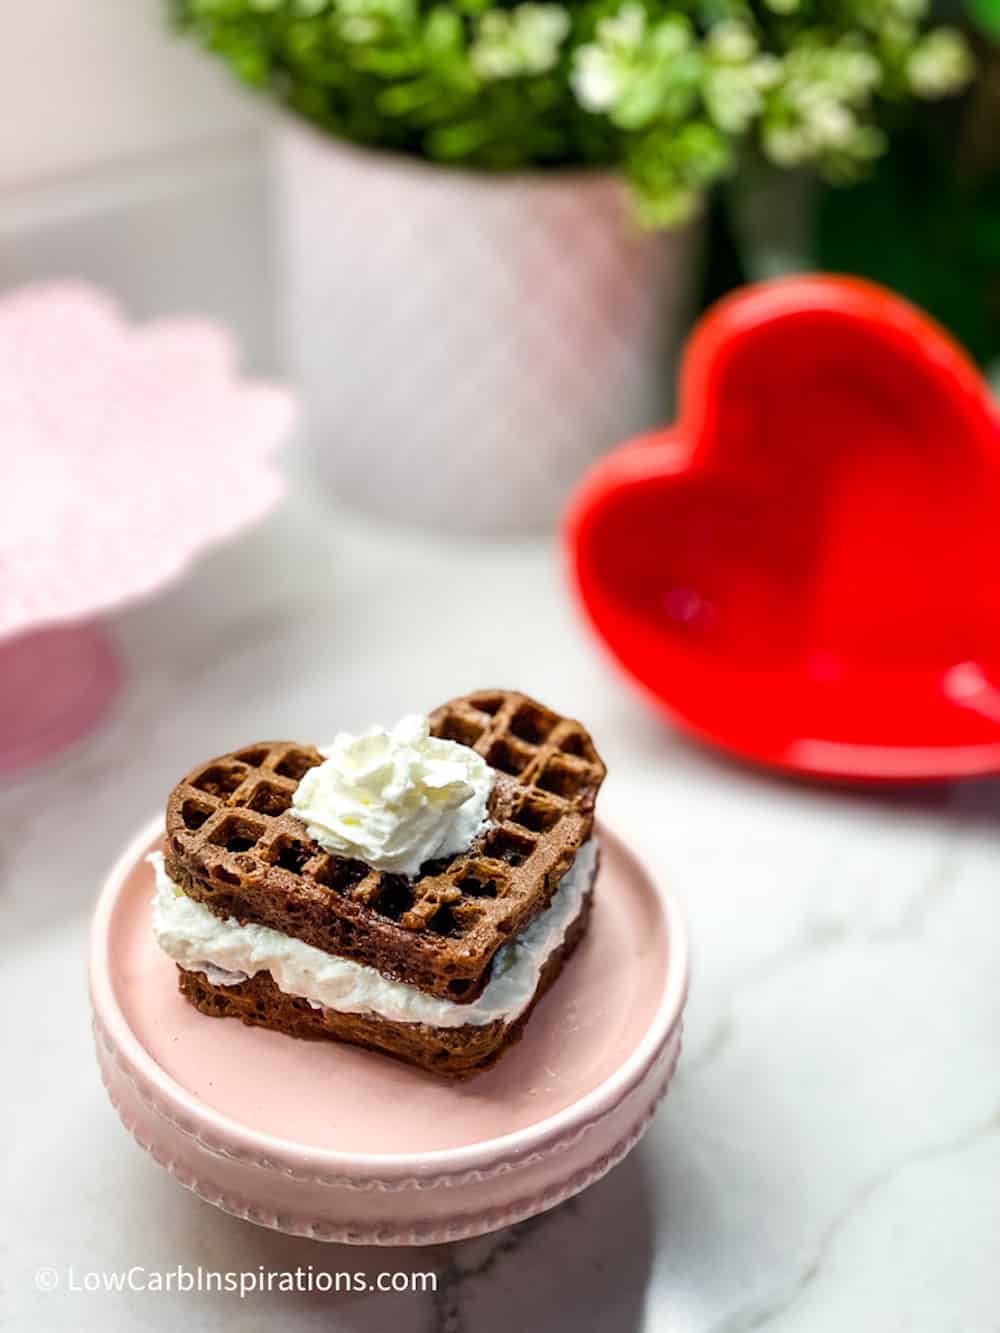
454, 1052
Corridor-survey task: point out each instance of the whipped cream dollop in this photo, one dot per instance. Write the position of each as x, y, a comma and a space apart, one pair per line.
395, 799
227, 953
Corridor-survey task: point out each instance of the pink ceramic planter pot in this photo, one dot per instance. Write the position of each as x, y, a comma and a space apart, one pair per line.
340, 1144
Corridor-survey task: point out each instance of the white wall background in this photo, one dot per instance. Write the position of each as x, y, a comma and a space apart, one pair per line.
92, 82
129, 157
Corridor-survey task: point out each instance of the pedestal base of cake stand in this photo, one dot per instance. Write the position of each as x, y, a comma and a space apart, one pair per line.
55, 685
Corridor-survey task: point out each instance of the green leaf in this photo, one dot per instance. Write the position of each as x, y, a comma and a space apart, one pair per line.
922, 228
987, 14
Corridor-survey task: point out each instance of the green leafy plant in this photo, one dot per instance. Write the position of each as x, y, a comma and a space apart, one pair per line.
927, 220
987, 14
670, 91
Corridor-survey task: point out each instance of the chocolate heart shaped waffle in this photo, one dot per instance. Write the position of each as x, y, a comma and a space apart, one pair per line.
441, 967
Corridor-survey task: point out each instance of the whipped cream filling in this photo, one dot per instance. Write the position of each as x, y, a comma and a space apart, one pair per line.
228, 953
395, 799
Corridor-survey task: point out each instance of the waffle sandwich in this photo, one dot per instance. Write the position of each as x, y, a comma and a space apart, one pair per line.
440, 967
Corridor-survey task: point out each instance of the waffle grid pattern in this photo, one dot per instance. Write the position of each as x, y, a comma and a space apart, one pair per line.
230, 828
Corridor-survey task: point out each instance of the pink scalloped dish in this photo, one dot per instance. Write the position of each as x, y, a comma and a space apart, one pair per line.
126, 450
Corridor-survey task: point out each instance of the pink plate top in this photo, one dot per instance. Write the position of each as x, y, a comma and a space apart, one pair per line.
316, 1105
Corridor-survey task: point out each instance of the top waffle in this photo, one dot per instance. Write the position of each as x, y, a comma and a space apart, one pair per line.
233, 844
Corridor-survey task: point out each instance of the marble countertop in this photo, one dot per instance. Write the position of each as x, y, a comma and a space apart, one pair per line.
829, 1155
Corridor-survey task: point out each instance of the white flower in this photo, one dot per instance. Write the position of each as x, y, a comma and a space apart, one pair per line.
732, 97
598, 79
736, 78
631, 70
524, 40
830, 124
767, 71
731, 42
625, 29
858, 71
602, 68
939, 64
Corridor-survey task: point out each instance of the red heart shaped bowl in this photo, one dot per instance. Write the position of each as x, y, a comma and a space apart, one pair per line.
804, 569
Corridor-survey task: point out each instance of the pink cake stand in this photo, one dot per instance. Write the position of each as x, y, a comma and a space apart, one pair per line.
124, 452
328, 1141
